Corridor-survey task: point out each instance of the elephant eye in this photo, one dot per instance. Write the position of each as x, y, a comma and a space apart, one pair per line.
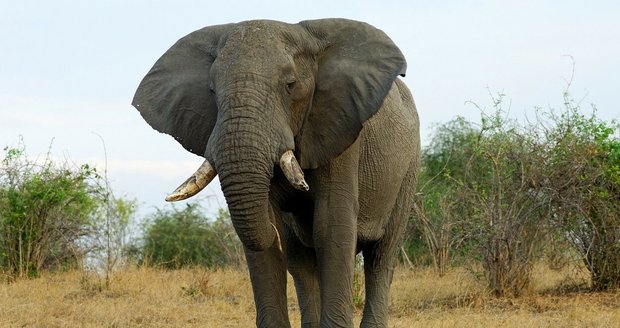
212, 88
290, 86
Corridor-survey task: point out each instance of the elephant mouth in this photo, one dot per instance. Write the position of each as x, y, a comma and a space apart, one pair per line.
206, 173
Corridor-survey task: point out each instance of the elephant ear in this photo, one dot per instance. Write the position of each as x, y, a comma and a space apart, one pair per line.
174, 96
356, 69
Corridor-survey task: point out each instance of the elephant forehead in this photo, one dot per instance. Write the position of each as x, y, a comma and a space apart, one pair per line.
253, 47
256, 36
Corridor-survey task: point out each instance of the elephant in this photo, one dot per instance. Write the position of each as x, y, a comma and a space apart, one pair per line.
315, 139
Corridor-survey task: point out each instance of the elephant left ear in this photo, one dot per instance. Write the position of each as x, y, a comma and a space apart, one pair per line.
356, 69
174, 96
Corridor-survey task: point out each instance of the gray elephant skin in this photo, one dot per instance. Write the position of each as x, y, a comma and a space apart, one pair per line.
315, 140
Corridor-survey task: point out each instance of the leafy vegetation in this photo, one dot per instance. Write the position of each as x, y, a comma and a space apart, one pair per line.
443, 161
45, 211
583, 184
186, 237
55, 215
502, 193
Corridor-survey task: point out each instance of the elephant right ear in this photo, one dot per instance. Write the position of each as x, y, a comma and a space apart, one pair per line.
174, 97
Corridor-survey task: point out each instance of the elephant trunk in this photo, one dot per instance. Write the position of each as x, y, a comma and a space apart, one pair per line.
248, 203
245, 169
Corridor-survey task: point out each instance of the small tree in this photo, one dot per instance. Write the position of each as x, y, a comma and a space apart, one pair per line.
110, 241
583, 183
479, 192
443, 163
506, 209
504, 186
45, 210
112, 225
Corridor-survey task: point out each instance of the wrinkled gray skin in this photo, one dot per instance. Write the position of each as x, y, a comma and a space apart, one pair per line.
242, 94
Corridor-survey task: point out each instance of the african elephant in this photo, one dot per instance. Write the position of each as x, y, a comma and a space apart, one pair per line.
316, 143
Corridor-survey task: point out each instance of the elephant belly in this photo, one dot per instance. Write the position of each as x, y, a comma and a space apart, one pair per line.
387, 148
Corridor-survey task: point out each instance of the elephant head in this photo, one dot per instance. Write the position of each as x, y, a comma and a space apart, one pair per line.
257, 94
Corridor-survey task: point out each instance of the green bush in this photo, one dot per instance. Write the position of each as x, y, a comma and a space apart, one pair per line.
176, 238
583, 184
501, 192
45, 211
505, 208
439, 222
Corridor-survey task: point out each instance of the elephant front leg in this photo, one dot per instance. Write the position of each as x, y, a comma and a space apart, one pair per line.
335, 237
268, 275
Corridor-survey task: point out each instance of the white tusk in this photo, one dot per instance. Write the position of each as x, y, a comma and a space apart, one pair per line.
292, 171
194, 184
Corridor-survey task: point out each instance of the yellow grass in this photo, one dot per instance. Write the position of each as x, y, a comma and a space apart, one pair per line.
147, 297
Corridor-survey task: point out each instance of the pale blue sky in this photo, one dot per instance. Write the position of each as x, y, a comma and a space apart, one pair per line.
68, 69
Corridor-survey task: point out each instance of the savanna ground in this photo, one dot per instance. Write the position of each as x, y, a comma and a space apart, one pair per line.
147, 297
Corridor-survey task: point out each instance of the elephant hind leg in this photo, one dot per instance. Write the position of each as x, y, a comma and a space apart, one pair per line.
380, 257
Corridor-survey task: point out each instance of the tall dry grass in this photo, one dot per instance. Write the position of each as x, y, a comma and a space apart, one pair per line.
147, 297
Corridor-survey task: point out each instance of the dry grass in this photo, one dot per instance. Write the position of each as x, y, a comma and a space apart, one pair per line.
148, 297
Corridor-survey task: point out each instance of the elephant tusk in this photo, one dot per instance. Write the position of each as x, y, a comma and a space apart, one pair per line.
194, 184
292, 171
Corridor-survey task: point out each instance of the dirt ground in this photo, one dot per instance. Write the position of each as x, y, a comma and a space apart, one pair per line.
147, 297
